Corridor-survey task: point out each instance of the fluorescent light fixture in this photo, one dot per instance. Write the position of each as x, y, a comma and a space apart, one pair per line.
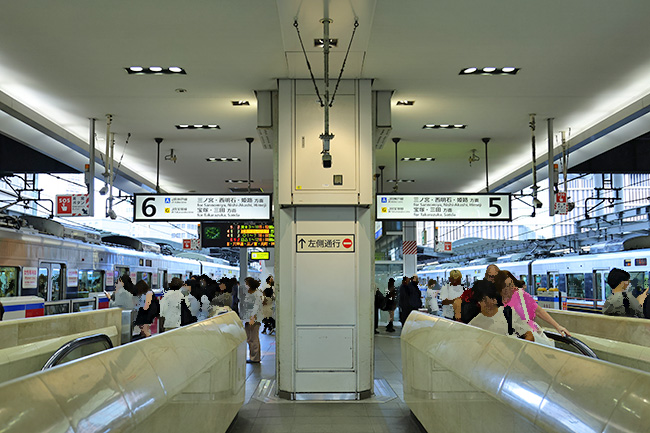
240, 103
489, 70
400, 181
198, 126
238, 181
223, 159
418, 159
405, 102
444, 126
155, 70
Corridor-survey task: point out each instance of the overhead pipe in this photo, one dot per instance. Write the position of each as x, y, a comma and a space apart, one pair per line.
565, 162
158, 140
249, 140
91, 170
109, 120
552, 184
111, 213
326, 136
486, 140
396, 140
536, 202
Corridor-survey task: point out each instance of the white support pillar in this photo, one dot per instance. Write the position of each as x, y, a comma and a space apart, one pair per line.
324, 227
409, 248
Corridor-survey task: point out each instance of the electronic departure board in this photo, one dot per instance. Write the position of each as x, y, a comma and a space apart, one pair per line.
237, 235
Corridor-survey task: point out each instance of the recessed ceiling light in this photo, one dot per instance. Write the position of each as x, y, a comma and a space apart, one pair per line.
223, 159
400, 181
155, 70
418, 159
405, 102
197, 126
238, 181
240, 103
444, 126
489, 70
320, 43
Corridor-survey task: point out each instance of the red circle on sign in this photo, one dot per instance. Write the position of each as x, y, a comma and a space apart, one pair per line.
347, 243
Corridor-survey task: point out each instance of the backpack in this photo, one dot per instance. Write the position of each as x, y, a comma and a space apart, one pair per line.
186, 314
154, 308
380, 300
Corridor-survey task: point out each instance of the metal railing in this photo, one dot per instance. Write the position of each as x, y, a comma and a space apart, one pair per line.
69, 347
573, 342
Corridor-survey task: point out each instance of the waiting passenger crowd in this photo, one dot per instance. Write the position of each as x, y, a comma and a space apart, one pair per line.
499, 303
199, 298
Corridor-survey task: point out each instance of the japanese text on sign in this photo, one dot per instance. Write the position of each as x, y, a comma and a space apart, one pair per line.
449, 207
324, 243
179, 207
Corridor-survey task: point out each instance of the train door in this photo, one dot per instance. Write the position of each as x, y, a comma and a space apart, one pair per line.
51, 277
601, 289
162, 279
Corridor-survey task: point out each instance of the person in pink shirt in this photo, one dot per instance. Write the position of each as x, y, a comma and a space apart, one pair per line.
513, 295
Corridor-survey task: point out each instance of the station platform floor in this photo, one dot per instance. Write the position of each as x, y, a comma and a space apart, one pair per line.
385, 415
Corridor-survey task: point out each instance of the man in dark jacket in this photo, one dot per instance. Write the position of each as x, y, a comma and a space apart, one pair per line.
409, 297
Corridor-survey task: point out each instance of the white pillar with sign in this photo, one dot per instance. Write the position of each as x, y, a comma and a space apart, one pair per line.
324, 243
409, 249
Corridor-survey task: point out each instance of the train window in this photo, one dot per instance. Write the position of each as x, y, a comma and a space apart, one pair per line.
575, 285
538, 281
8, 281
553, 281
144, 276
638, 281
524, 278
90, 281
122, 270
177, 276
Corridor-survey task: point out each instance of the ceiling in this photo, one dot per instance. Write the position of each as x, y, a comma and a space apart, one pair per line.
582, 63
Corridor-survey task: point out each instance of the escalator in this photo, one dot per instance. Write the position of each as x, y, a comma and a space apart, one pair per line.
79, 348
570, 344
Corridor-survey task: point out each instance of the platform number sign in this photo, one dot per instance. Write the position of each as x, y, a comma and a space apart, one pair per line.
201, 207
444, 207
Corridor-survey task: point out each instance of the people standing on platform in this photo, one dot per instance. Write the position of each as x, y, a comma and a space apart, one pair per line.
124, 295
170, 305
235, 295
268, 307
492, 316
465, 308
409, 298
146, 314
524, 305
432, 297
391, 304
620, 302
450, 292
251, 313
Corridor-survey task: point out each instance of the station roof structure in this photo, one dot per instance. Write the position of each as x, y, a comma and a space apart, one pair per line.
583, 63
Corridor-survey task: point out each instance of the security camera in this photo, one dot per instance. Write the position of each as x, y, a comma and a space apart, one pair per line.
537, 203
112, 215
104, 190
327, 160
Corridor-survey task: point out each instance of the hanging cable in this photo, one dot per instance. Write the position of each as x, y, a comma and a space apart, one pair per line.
313, 80
356, 24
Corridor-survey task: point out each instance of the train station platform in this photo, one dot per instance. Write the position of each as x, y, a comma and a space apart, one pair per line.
433, 375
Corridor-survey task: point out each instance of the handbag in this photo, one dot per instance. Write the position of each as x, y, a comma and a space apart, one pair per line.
539, 335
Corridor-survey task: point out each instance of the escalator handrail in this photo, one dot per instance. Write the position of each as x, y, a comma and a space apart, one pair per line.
572, 341
68, 347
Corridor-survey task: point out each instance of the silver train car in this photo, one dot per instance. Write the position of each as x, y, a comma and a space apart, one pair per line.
69, 269
582, 279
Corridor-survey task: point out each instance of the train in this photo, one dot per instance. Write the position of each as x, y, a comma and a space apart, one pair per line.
581, 279
50, 268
